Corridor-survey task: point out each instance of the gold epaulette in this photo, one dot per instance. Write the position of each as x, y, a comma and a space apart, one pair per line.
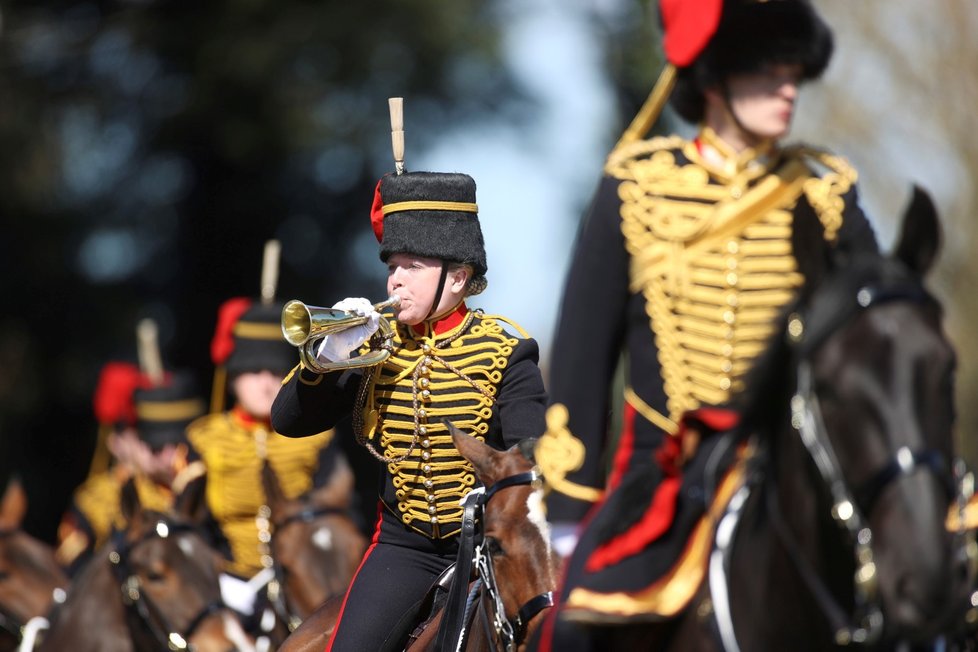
641, 148
519, 329
833, 178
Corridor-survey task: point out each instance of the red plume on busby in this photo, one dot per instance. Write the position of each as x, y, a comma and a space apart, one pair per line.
222, 344
113, 400
687, 26
377, 213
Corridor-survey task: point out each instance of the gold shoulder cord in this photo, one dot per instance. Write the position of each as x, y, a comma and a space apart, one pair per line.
559, 452
825, 192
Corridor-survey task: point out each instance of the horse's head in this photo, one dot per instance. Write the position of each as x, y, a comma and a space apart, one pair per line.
515, 530
873, 405
30, 578
169, 580
315, 545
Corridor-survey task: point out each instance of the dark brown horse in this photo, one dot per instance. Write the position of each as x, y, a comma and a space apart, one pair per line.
315, 546
154, 586
513, 564
839, 535
31, 580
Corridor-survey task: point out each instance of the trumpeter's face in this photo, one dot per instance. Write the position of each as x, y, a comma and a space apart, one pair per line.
764, 102
415, 280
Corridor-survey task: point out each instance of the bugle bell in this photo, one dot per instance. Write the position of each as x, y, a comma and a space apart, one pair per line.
305, 326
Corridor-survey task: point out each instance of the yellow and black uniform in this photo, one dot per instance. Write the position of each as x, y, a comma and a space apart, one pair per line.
683, 264
158, 414
233, 447
475, 370
233, 444
95, 512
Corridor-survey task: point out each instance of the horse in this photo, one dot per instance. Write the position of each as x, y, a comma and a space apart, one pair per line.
31, 580
514, 564
153, 586
838, 535
315, 547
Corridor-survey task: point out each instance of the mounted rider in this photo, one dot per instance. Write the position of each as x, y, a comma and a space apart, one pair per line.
688, 254
445, 363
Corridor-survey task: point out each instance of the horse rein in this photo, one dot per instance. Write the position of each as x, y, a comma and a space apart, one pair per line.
453, 632
138, 603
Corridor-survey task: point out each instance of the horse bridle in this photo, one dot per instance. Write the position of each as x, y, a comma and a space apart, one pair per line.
275, 587
453, 631
849, 507
138, 603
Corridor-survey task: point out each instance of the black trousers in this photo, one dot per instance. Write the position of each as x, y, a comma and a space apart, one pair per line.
381, 607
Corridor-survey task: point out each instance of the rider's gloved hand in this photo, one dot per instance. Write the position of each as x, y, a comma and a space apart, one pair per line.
339, 346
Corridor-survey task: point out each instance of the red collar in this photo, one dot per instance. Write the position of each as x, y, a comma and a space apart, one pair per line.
442, 325
249, 421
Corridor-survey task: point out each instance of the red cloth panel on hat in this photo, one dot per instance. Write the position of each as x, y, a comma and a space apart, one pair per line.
688, 26
377, 213
227, 316
113, 402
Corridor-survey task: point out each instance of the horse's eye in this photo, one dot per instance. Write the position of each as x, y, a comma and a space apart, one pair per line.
155, 576
494, 547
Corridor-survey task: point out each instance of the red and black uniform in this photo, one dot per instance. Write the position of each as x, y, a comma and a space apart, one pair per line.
465, 369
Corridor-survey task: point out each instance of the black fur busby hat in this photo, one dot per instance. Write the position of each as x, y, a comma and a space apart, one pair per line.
430, 214
163, 412
750, 35
249, 338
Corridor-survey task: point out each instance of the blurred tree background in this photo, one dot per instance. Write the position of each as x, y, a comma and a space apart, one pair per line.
149, 148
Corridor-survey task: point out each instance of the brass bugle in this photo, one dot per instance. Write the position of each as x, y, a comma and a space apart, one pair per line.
303, 326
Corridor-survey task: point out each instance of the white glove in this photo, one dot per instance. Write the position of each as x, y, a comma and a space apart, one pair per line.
238, 594
339, 346
563, 537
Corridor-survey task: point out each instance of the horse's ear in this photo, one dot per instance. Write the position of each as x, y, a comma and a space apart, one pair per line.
274, 494
481, 455
920, 236
812, 252
13, 505
129, 501
190, 488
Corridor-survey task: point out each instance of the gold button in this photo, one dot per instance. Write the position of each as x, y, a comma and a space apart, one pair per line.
733, 246
731, 263
736, 192
726, 367
733, 300
432, 509
727, 350
732, 278
724, 383
729, 317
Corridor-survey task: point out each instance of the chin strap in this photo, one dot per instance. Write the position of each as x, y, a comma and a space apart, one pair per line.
441, 287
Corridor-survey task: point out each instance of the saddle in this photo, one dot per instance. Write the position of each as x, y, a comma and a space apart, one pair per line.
433, 601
